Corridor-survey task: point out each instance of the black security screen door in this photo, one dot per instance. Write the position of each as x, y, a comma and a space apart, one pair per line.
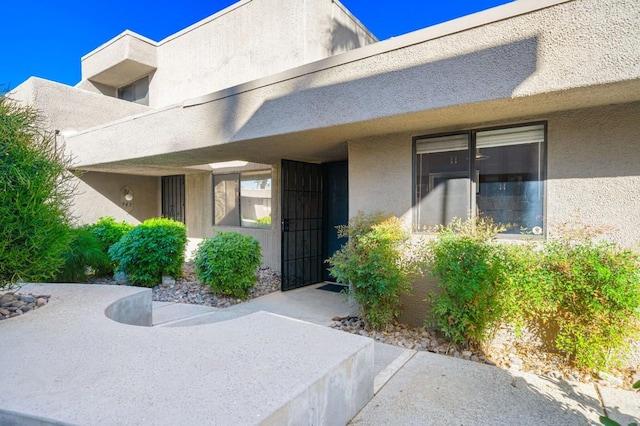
301, 224
173, 197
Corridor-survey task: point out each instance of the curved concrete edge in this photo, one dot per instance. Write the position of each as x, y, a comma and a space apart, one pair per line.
12, 418
135, 309
256, 369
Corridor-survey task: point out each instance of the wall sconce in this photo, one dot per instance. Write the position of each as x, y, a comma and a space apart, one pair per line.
126, 199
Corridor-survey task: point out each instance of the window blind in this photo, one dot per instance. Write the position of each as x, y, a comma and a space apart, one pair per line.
442, 144
510, 136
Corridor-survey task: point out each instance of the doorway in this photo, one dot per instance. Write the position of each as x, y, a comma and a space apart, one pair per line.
173, 198
314, 200
336, 210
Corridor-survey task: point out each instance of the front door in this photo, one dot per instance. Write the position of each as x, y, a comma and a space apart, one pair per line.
173, 197
336, 209
302, 224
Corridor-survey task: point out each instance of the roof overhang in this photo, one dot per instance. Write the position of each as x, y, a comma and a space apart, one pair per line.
522, 59
121, 60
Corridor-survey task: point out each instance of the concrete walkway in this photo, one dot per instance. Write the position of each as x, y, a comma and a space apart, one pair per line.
80, 360
422, 388
205, 355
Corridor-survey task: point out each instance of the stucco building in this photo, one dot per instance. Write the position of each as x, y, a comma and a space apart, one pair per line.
283, 118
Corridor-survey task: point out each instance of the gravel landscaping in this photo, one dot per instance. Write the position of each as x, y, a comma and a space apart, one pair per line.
16, 304
187, 289
505, 351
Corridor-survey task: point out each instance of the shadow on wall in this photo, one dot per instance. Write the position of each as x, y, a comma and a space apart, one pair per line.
343, 38
483, 75
100, 195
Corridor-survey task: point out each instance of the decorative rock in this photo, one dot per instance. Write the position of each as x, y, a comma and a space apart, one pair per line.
6, 298
121, 278
611, 379
15, 305
27, 298
166, 280
41, 301
555, 374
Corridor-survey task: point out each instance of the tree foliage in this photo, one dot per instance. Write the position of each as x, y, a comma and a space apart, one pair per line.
35, 192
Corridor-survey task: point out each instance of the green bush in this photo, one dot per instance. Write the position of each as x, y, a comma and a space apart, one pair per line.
84, 255
596, 291
526, 287
582, 294
374, 262
108, 232
469, 267
152, 249
35, 190
228, 263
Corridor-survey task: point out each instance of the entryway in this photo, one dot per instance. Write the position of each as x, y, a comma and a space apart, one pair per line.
173, 197
314, 201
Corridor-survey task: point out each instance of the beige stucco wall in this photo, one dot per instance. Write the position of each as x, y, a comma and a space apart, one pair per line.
121, 60
249, 40
69, 109
98, 195
593, 174
199, 214
534, 63
594, 170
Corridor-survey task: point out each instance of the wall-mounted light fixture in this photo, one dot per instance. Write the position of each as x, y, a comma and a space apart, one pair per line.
126, 199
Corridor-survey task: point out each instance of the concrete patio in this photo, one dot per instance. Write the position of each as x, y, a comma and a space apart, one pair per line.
79, 367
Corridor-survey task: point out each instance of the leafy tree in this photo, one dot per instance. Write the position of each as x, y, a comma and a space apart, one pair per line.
35, 192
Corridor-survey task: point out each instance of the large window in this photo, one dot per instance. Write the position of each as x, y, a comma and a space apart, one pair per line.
242, 199
137, 92
495, 172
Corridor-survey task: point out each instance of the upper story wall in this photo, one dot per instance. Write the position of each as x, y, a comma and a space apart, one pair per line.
246, 41
518, 59
70, 109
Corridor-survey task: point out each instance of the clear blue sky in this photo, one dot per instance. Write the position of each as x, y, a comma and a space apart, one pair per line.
47, 38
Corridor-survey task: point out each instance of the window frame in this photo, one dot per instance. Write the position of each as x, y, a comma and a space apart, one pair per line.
473, 176
133, 85
239, 175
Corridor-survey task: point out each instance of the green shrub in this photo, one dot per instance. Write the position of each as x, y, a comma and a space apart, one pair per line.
526, 287
469, 267
581, 294
374, 262
596, 290
152, 249
84, 254
35, 190
228, 263
108, 232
